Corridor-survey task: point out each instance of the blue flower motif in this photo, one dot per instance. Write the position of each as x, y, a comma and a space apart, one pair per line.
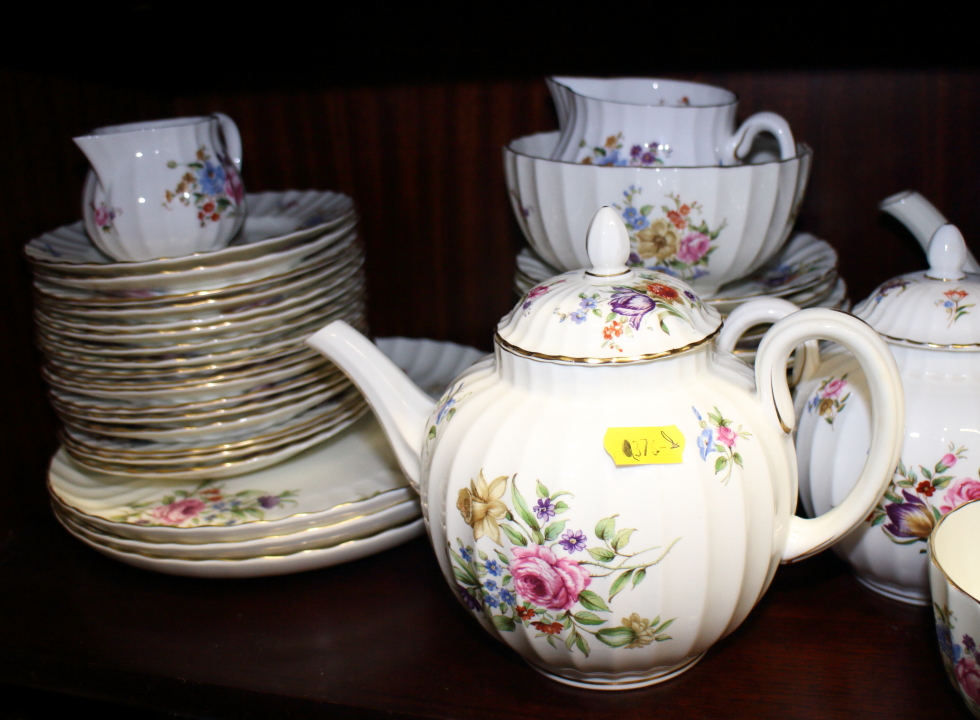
445, 408
957, 653
492, 600
948, 304
612, 159
219, 505
490, 586
578, 317
465, 554
588, 303
706, 442
697, 414
492, 566
212, 179
506, 596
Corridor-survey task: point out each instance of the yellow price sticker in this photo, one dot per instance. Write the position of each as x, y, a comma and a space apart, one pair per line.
662, 445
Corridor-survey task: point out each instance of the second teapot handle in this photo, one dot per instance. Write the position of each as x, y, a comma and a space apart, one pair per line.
741, 142
233, 139
809, 536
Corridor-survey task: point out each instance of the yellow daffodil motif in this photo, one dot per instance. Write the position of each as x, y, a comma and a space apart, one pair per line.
481, 507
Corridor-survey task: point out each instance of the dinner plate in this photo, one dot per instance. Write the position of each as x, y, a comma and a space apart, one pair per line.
275, 221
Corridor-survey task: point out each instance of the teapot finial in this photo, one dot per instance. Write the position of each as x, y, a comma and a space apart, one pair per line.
608, 244
947, 253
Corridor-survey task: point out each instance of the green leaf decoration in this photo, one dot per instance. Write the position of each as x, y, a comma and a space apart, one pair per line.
554, 529
892, 497
901, 468
941, 482
720, 464
167, 500
620, 583
551, 640
541, 490
719, 447
515, 536
638, 578
590, 601
570, 640
646, 209
737, 459
610, 317
605, 528
663, 627
582, 644
537, 537
171, 164
602, 555
878, 520
616, 637
622, 538
663, 325
502, 622
483, 555
565, 620
506, 580
560, 507
522, 508
502, 558
432, 432
904, 483
588, 618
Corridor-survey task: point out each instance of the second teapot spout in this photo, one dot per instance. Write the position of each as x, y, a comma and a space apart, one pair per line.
922, 218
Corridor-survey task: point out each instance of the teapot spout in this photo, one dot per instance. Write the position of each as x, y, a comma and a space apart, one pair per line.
400, 406
922, 218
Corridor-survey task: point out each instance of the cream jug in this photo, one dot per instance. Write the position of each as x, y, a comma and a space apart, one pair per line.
608, 494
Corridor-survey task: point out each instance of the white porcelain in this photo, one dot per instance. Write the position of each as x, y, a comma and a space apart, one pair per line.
265, 566
922, 218
644, 122
954, 580
270, 545
276, 221
933, 330
164, 188
321, 249
519, 491
705, 225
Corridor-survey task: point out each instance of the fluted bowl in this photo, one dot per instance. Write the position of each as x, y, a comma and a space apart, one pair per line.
705, 225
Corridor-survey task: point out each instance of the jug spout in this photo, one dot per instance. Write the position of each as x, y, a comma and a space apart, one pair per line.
99, 157
400, 406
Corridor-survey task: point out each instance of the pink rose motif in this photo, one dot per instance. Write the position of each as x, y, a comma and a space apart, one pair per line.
833, 388
540, 577
949, 460
968, 676
727, 436
101, 216
177, 512
234, 188
693, 247
960, 492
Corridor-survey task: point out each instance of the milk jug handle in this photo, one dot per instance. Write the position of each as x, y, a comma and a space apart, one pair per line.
233, 139
766, 311
741, 142
809, 536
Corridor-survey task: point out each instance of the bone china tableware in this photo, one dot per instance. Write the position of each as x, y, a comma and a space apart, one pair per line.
705, 225
954, 581
653, 122
607, 494
164, 188
922, 218
929, 320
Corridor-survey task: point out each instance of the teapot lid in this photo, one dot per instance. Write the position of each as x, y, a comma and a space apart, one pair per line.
609, 313
934, 308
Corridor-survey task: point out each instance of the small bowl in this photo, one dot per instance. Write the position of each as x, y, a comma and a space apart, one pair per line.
706, 225
954, 580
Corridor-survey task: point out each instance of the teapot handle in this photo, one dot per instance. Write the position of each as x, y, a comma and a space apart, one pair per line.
767, 311
809, 536
233, 138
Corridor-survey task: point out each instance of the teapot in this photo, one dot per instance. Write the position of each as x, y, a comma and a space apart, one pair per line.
607, 494
931, 323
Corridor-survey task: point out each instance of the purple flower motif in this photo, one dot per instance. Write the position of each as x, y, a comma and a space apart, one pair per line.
911, 519
632, 304
578, 316
268, 501
590, 303
969, 644
648, 158
690, 296
636, 150
945, 640
471, 602
573, 540
544, 509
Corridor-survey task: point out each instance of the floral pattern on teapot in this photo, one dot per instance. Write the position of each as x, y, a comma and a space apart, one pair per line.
622, 309
215, 188
535, 580
676, 243
961, 660
827, 400
950, 302
444, 411
908, 513
717, 437
105, 215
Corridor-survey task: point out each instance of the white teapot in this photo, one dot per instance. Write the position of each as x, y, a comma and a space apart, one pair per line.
931, 322
607, 494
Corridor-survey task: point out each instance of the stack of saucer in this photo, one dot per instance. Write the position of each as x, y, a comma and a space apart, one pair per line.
337, 501
803, 272
181, 368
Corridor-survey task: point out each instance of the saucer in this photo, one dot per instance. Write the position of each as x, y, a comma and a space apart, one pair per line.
276, 221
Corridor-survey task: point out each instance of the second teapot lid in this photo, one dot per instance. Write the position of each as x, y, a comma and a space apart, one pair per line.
609, 313
934, 308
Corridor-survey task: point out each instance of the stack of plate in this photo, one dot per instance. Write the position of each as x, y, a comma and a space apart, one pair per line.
340, 500
804, 272
172, 367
